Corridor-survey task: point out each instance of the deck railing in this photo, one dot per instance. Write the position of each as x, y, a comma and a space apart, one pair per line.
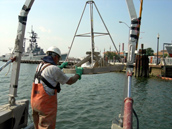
168, 61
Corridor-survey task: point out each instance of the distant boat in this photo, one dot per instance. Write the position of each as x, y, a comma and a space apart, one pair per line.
33, 53
169, 50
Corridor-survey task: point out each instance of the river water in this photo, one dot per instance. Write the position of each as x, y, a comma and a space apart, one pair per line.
95, 100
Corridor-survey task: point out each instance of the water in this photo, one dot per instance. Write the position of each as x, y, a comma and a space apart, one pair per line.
95, 100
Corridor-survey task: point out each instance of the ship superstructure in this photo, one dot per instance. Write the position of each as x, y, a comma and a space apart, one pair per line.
33, 52
33, 46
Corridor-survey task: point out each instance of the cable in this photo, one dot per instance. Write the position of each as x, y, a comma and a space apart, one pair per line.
8, 70
136, 118
30, 118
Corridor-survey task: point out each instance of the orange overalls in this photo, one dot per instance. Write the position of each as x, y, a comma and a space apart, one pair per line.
44, 107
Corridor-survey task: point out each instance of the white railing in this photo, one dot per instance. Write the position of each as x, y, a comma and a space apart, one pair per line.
168, 61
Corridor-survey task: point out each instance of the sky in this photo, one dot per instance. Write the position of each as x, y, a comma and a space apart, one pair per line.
56, 21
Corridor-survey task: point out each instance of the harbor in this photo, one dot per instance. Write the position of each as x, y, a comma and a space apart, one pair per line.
84, 104
109, 88
159, 71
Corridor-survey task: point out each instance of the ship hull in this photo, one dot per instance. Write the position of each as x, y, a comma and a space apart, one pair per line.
31, 57
39, 57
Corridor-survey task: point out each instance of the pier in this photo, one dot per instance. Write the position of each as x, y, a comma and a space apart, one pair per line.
39, 61
160, 70
163, 69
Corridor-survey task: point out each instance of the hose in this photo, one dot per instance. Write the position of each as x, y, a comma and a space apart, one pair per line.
137, 119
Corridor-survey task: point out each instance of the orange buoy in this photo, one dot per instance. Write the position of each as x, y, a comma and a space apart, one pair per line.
166, 78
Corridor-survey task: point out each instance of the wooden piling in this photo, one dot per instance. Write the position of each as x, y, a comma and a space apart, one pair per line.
142, 64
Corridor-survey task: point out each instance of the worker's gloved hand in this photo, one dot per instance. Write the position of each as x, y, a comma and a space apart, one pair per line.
64, 64
79, 71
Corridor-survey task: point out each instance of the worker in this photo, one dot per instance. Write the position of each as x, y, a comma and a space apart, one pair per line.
46, 84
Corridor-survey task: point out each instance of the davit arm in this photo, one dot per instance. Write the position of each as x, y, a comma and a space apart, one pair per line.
18, 50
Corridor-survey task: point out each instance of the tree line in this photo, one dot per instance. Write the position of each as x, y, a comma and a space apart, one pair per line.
112, 54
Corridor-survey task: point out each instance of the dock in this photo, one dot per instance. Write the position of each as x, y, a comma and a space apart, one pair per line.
154, 70
160, 70
97, 70
39, 61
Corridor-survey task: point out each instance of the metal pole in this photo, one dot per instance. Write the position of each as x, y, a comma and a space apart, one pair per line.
75, 33
129, 86
163, 55
128, 27
105, 27
92, 34
124, 23
157, 48
140, 15
119, 53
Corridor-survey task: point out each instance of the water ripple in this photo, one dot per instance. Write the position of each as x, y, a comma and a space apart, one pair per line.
95, 100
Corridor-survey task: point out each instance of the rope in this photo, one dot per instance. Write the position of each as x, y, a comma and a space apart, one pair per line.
8, 70
30, 118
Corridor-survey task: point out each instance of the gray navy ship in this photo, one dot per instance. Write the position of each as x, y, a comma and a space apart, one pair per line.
33, 52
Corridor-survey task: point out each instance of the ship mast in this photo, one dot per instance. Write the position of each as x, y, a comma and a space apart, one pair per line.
33, 40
